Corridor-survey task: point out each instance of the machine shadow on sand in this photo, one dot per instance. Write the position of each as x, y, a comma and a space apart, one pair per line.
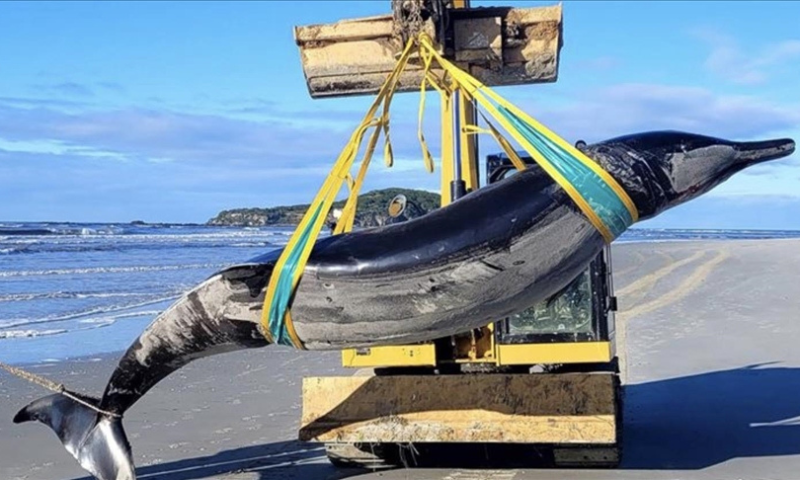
698, 421
685, 423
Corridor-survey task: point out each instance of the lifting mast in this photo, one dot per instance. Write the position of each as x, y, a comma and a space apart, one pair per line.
498, 46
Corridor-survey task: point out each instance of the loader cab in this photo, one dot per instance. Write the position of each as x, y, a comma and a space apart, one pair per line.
581, 312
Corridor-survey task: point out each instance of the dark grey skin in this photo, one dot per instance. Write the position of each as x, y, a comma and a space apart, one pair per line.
492, 253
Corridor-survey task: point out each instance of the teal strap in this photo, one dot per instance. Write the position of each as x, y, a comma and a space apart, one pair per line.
283, 292
603, 200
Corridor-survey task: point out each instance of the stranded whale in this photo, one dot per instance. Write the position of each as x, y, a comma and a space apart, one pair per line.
494, 252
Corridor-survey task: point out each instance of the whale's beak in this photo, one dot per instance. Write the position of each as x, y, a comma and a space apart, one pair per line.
750, 153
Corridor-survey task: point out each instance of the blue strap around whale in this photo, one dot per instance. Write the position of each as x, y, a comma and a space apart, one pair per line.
278, 309
598, 194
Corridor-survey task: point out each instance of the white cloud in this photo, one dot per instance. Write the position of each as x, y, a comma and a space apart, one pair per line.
748, 67
602, 113
238, 162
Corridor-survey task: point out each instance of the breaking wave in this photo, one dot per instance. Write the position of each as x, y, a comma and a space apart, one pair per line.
85, 271
109, 319
18, 322
26, 297
30, 333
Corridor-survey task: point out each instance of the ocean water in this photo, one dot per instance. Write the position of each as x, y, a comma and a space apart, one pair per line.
71, 290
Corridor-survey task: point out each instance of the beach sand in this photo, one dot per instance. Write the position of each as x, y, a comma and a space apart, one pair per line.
712, 372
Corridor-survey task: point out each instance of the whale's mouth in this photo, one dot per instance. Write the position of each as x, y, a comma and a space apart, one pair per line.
751, 153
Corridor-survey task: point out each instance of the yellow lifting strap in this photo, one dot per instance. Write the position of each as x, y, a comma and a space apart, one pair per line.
598, 195
276, 322
595, 192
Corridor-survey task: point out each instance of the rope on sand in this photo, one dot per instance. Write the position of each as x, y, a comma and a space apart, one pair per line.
54, 387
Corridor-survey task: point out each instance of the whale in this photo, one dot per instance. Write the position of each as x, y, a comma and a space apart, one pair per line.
491, 253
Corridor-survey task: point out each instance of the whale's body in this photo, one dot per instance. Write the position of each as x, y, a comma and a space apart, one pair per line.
492, 253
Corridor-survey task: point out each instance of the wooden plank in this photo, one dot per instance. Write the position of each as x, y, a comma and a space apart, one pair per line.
527, 408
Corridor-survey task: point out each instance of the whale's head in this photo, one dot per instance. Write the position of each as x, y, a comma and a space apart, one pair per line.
660, 170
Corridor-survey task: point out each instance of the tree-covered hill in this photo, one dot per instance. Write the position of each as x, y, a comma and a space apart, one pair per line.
372, 210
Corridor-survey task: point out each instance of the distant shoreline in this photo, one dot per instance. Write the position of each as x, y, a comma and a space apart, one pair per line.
9, 224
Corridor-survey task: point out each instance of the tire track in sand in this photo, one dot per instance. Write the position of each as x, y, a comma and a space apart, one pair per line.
636, 264
687, 286
648, 281
644, 285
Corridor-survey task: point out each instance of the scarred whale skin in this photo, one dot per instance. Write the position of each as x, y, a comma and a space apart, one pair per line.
492, 253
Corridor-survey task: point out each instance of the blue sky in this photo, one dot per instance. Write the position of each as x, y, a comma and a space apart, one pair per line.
113, 111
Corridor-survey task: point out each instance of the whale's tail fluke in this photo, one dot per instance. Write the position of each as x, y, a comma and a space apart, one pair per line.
750, 153
97, 441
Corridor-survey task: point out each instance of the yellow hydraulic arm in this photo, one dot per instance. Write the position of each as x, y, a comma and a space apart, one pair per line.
498, 46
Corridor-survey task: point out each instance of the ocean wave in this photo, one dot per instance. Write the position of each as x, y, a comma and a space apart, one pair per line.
15, 241
30, 333
123, 246
39, 232
26, 231
249, 244
100, 323
158, 241
109, 319
92, 324
26, 297
104, 231
84, 271
18, 322
103, 236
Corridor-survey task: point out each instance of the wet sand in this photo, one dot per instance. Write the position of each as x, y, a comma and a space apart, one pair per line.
712, 371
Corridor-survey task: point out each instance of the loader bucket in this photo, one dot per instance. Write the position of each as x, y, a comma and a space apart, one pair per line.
496, 45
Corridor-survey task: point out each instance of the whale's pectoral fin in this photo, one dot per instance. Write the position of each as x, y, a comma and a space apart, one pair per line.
97, 441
